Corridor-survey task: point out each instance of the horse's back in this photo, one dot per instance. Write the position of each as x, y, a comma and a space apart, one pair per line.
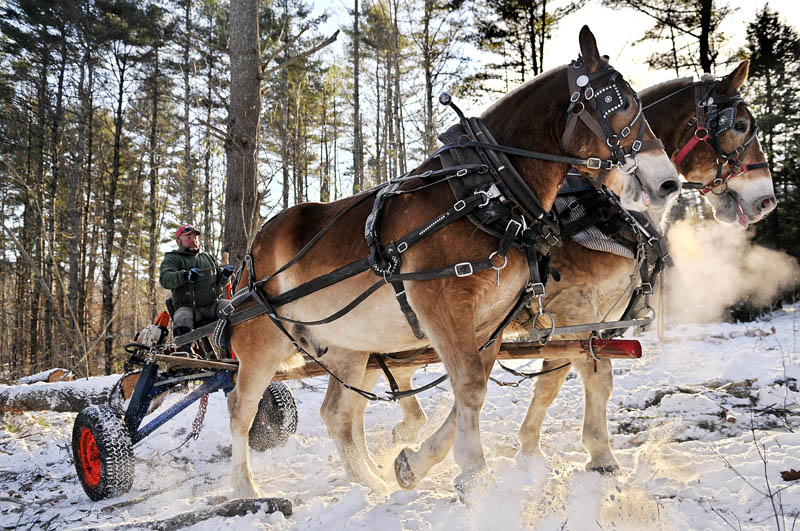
283, 236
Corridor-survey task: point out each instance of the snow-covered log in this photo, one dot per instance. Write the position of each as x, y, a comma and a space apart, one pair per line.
225, 510
58, 396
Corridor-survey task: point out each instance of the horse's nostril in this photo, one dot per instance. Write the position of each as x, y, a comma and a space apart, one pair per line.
669, 187
765, 205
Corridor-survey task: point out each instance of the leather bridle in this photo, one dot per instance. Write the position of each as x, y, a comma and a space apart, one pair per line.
710, 122
605, 101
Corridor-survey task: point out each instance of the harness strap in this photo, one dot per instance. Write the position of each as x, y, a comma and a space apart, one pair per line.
591, 162
315, 239
389, 377
411, 317
462, 269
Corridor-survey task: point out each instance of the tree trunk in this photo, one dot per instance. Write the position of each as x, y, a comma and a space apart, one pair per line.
152, 207
74, 213
532, 34
706, 61
241, 213
207, 214
358, 139
188, 185
427, 66
325, 161
543, 35
109, 225
58, 396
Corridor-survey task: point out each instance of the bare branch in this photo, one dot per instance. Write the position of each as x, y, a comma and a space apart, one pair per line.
323, 44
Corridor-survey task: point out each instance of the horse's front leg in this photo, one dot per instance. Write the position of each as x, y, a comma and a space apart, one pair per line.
597, 386
461, 427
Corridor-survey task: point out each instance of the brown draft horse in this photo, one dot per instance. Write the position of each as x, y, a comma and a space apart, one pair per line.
456, 314
594, 283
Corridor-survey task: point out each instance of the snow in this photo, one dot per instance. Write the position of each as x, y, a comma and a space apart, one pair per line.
690, 422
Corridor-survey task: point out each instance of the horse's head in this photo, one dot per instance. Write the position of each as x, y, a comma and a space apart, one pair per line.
718, 150
642, 175
603, 124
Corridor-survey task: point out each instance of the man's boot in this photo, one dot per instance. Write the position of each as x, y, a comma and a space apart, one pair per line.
179, 331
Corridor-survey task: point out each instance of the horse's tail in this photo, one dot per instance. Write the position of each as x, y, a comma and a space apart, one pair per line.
292, 365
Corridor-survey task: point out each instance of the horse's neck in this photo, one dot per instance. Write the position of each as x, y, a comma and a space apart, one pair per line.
532, 117
669, 119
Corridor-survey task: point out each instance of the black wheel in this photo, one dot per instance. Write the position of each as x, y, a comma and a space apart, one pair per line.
276, 419
103, 453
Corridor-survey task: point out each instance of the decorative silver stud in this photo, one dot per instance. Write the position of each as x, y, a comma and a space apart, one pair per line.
582, 80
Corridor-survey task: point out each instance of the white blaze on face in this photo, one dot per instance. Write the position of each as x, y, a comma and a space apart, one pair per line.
657, 183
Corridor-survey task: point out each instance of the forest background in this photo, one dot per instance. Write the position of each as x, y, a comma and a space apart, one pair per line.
121, 119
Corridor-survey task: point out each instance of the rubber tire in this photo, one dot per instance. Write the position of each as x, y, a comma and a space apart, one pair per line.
102, 452
276, 419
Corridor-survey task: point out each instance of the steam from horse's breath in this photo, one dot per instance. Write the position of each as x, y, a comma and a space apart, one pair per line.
717, 265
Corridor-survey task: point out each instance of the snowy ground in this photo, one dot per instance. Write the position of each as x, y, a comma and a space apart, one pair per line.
702, 426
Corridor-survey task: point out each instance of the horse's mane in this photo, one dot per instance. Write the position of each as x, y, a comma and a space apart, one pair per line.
524, 87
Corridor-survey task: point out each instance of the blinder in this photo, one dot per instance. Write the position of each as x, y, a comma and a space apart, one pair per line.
605, 101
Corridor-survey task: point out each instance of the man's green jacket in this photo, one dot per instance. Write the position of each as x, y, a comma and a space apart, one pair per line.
207, 288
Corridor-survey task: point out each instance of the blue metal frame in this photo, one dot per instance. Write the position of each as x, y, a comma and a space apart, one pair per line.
145, 392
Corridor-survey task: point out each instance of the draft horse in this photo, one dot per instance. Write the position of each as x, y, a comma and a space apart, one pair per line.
712, 138
473, 277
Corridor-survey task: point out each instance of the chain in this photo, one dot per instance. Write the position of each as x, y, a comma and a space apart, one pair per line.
197, 423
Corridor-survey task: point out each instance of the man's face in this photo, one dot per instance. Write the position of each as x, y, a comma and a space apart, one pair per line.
188, 241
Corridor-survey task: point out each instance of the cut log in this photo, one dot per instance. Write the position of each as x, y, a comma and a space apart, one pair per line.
50, 375
556, 349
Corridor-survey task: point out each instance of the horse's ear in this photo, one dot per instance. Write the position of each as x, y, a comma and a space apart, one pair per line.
733, 81
589, 50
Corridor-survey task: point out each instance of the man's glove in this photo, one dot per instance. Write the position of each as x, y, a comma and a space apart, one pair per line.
191, 275
227, 271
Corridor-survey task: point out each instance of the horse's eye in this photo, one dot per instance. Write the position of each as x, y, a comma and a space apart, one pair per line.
740, 126
626, 105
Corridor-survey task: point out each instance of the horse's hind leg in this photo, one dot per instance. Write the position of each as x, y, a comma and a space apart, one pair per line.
342, 413
257, 366
414, 418
545, 389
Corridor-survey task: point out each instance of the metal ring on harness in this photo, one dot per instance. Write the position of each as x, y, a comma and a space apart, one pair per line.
649, 313
591, 348
500, 268
544, 339
633, 166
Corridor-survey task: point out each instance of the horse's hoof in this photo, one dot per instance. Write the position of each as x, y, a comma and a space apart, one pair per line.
403, 473
606, 470
247, 491
470, 486
533, 462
